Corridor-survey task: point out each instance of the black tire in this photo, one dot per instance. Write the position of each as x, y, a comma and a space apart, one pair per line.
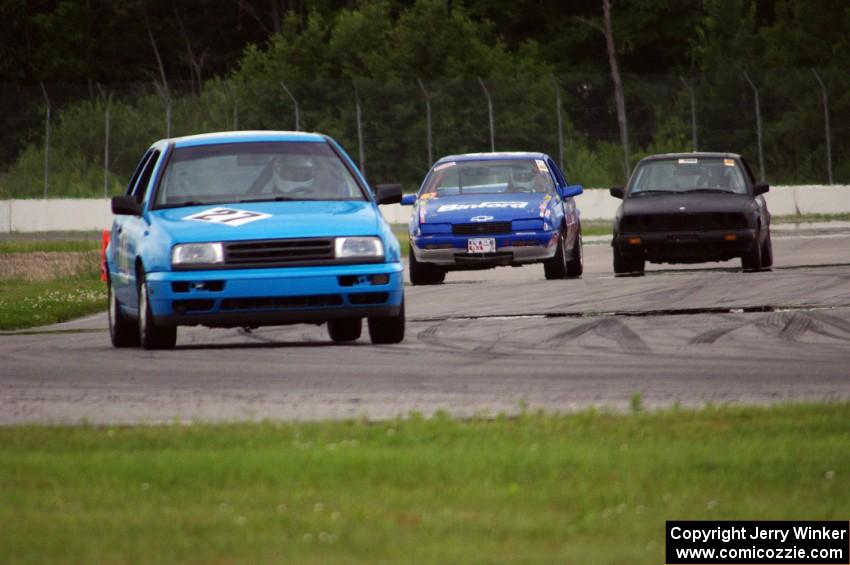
388, 329
123, 332
624, 265
767, 253
751, 261
423, 273
152, 336
346, 329
556, 267
575, 267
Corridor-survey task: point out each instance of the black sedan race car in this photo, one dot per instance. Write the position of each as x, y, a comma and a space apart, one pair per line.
691, 208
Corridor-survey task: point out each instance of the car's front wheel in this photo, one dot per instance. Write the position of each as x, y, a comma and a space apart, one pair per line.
387, 329
576, 265
122, 331
152, 336
556, 267
767, 252
346, 329
624, 265
752, 260
424, 273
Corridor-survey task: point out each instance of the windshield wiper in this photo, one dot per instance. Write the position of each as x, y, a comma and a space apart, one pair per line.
640, 192
184, 204
271, 199
713, 190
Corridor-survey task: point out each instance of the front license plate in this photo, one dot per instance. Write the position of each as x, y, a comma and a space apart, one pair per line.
481, 245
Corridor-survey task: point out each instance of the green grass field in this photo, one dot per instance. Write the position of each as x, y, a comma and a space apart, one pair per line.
24, 304
584, 488
47, 245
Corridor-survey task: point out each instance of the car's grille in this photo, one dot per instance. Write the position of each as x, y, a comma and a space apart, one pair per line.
481, 228
282, 302
278, 252
683, 222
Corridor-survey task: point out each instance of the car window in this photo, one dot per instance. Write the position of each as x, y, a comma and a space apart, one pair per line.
489, 176
557, 172
689, 174
241, 172
131, 186
143, 183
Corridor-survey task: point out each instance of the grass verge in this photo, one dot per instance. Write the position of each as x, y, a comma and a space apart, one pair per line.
582, 488
24, 304
47, 246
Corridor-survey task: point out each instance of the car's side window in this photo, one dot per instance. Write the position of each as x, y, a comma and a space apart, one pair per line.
143, 182
135, 178
557, 172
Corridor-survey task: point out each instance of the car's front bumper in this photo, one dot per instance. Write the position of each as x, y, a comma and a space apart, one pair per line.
686, 246
450, 251
257, 297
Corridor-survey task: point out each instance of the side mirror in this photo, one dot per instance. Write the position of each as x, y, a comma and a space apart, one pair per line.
571, 190
126, 206
760, 188
388, 193
617, 192
408, 200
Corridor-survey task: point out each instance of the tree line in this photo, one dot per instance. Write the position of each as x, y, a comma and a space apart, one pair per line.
690, 71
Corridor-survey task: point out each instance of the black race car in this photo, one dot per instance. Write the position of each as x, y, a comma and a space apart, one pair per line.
691, 208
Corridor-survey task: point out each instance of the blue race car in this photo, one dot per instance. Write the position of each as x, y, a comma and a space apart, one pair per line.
246, 229
483, 210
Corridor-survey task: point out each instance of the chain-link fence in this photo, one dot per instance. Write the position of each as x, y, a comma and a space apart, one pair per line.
83, 141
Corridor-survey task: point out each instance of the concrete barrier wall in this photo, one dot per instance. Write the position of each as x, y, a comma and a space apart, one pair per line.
95, 214
597, 204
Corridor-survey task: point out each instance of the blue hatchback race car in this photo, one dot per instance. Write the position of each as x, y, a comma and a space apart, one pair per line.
246, 229
483, 210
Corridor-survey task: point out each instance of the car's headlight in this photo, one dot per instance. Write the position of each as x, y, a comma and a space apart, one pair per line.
197, 254
353, 247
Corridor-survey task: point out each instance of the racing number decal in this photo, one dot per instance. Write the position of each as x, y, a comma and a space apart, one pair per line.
227, 216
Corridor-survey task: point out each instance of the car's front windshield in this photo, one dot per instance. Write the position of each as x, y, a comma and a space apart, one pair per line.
245, 172
688, 174
489, 176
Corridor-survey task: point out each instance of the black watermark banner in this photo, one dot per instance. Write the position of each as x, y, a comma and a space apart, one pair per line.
763, 543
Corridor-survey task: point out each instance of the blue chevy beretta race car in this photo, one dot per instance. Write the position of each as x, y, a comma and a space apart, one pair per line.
483, 210
246, 229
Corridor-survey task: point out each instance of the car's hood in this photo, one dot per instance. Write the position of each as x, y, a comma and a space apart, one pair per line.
687, 203
267, 220
483, 207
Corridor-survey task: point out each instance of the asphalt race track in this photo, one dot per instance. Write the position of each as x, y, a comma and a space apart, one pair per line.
482, 343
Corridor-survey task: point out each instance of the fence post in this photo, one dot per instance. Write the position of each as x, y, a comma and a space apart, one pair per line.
359, 130
490, 114
687, 84
560, 122
46, 140
826, 125
297, 109
427, 119
106, 127
165, 95
758, 126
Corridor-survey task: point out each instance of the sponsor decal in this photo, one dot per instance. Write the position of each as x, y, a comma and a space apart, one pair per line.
480, 218
481, 205
227, 216
729, 162
428, 196
541, 166
688, 161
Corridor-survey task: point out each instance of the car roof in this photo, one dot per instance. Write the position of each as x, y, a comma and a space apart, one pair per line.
692, 155
245, 137
502, 155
